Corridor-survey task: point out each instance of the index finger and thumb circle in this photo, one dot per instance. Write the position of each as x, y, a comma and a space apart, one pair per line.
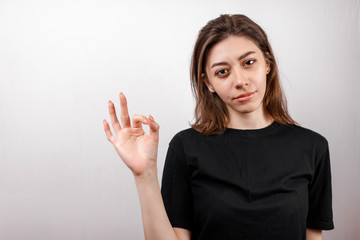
138, 120
154, 127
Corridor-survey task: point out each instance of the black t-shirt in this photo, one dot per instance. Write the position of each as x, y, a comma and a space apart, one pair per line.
269, 183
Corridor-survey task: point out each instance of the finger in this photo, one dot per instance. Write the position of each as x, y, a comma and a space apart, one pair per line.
114, 120
124, 111
154, 127
138, 120
108, 133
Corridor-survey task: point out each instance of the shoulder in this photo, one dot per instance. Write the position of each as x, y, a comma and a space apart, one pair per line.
188, 132
186, 135
304, 132
305, 135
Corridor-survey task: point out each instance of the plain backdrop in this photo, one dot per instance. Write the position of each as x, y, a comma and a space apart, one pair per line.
61, 61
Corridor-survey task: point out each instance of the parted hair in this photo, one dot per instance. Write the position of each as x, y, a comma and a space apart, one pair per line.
211, 114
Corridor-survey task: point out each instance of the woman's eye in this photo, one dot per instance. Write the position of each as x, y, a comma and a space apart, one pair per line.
249, 62
221, 72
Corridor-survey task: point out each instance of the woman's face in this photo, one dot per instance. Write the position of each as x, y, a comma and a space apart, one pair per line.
236, 70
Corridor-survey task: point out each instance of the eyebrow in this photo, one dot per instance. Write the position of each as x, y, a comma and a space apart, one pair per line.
240, 58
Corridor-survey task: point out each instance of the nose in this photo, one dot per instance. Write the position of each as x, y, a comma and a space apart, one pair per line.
240, 79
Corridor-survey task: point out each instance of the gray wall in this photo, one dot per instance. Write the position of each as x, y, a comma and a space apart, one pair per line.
61, 61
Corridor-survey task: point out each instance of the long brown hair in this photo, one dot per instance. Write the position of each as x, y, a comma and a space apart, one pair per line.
211, 114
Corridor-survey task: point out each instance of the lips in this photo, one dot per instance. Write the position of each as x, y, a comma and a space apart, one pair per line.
245, 96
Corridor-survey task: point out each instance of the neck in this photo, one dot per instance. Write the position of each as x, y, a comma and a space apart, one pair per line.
251, 120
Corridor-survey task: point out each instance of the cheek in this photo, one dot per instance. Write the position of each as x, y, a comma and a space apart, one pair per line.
222, 87
261, 87
262, 80
222, 96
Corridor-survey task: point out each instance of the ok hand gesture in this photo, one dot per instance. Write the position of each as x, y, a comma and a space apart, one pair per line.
136, 149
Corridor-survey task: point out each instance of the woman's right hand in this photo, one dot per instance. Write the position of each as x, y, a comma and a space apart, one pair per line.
136, 149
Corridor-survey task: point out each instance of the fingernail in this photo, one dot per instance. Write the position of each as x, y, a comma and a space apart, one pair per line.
151, 118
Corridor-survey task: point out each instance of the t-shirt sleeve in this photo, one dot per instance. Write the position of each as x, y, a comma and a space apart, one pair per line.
176, 188
320, 215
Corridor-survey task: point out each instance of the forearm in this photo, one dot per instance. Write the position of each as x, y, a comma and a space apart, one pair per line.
155, 220
313, 234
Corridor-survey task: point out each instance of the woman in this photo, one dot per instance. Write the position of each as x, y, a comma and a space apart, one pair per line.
245, 170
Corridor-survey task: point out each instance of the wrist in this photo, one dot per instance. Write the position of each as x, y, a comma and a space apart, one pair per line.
149, 176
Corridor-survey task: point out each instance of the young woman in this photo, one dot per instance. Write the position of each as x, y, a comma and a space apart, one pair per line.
245, 169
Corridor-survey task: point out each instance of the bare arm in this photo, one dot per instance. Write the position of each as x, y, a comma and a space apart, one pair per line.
155, 220
139, 153
313, 234
182, 234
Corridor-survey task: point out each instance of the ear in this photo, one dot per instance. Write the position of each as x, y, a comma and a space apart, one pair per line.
206, 81
267, 62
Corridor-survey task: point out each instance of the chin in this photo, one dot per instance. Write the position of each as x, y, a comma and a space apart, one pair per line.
248, 108
247, 111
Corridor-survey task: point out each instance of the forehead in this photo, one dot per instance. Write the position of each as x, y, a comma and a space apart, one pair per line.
231, 47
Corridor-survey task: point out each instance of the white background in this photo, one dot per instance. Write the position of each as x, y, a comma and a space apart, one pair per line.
61, 61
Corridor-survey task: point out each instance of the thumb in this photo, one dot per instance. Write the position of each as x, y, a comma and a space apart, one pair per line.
154, 128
